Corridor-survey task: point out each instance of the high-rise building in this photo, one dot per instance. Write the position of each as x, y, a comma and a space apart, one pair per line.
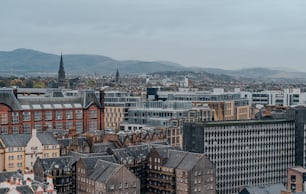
245, 153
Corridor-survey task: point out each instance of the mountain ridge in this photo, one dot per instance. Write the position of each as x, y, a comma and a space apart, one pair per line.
29, 60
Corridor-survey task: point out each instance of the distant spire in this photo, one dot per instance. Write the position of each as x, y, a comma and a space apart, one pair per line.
61, 73
117, 76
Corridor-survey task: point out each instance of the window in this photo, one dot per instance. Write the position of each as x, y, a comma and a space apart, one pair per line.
59, 115
48, 115
11, 157
69, 124
79, 114
26, 128
79, 127
3, 118
59, 125
38, 126
15, 117
19, 157
15, 129
293, 178
11, 165
48, 125
92, 124
3, 129
26, 116
69, 114
19, 164
37, 116
92, 114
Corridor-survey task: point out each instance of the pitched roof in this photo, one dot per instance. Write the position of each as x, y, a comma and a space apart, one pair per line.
60, 162
190, 160
162, 150
139, 151
102, 147
24, 189
89, 98
47, 138
104, 170
15, 140
266, 189
7, 97
175, 158
4, 176
4, 190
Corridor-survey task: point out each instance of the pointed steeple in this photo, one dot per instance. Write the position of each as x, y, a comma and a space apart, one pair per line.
117, 76
61, 73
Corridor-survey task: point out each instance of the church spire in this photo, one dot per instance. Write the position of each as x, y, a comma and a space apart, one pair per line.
61, 73
117, 76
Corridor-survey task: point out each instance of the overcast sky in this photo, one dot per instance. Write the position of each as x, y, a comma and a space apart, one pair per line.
228, 34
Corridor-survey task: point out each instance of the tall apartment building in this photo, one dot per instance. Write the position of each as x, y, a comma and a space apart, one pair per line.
253, 152
20, 114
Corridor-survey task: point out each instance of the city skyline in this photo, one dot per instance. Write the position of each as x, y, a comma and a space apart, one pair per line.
229, 35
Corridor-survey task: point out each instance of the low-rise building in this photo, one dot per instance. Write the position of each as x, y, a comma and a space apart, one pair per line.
99, 176
20, 151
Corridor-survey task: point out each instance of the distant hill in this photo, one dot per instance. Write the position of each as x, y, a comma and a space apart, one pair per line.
264, 74
26, 60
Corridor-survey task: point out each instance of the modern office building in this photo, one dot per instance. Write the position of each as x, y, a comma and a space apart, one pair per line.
253, 152
286, 97
225, 105
170, 116
116, 106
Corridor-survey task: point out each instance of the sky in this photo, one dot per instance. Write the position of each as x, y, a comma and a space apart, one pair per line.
229, 34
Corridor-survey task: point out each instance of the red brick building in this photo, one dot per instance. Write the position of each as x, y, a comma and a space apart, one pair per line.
19, 114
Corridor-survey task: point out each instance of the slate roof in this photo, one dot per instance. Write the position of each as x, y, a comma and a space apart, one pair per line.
139, 151
89, 98
4, 176
65, 142
265, 189
7, 97
162, 149
104, 170
102, 147
189, 161
24, 189
123, 155
4, 190
47, 138
60, 162
175, 158
90, 162
15, 140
